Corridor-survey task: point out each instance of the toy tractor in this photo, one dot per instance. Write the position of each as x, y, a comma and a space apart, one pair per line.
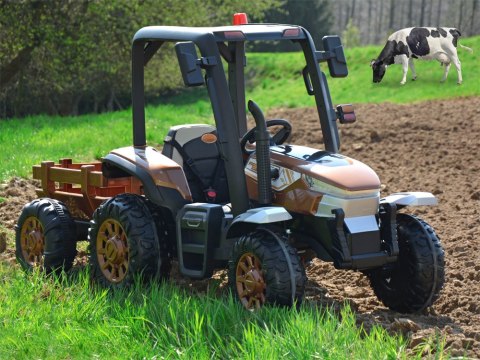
221, 196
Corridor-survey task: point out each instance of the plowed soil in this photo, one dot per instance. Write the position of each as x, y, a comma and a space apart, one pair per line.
430, 146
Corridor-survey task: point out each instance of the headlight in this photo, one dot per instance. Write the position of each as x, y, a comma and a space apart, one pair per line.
324, 188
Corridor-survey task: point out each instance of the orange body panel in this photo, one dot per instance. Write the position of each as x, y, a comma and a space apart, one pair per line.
164, 171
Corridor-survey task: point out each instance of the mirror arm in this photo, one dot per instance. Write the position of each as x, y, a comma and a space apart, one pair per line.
323, 56
205, 62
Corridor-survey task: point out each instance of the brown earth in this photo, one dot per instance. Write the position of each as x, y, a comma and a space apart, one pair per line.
430, 146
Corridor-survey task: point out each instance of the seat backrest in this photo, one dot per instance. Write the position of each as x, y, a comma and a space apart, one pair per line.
195, 148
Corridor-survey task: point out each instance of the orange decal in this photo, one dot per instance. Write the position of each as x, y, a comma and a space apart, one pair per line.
209, 138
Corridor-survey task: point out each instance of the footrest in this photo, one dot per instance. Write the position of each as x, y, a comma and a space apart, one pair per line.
198, 234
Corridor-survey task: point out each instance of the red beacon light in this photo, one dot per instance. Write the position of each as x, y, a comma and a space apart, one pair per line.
240, 19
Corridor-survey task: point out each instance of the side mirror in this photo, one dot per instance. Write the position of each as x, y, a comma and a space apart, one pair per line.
189, 66
337, 64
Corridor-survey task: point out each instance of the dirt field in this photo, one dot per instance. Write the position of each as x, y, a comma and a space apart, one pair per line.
431, 146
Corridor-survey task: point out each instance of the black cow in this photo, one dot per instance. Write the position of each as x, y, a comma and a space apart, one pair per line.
426, 43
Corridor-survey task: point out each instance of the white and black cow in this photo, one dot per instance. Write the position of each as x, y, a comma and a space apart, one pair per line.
426, 43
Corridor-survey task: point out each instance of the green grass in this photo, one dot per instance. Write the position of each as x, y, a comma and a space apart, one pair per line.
57, 319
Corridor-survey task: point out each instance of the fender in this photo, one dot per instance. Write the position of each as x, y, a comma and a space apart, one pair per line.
163, 180
410, 199
252, 218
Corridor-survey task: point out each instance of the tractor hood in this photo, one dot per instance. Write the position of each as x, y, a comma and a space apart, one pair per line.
334, 170
308, 181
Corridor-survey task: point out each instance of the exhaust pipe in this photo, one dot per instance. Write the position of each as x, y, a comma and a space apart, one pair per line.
262, 145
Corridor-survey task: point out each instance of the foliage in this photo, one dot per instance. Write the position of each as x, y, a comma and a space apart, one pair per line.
351, 36
314, 15
69, 57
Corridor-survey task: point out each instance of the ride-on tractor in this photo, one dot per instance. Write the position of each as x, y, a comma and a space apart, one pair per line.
221, 196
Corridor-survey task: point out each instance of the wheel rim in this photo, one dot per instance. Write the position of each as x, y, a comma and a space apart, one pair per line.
112, 250
250, 281
32, 241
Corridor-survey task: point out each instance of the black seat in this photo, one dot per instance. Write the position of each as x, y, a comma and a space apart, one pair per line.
195, 148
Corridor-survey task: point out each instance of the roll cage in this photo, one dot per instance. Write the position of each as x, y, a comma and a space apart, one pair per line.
228, 96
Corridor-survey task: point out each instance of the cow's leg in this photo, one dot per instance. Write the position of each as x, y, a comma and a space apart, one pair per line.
453, 57
445, 73
412, 68
457, 64
404, 61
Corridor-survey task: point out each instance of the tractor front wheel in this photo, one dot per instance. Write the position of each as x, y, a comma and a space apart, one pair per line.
45, 236
123, 242
415, 280
265, 269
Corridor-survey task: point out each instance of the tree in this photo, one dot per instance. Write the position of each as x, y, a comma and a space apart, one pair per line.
351, 35
73, 56
314, 15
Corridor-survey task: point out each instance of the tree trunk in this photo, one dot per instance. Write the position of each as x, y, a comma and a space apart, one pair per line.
75, 105
422, 13
439, 13
379, 28
472, 18
430, 11
460, 15
369, 22
110, 100
340, 16
401, 23
353, 10
410, 13
392, 13
16, 65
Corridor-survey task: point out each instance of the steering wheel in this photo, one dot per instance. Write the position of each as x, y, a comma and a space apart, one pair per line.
277, 139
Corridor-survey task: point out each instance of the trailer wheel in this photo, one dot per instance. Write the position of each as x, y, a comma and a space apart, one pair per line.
415, 281
45, 236
123, 242
264, 269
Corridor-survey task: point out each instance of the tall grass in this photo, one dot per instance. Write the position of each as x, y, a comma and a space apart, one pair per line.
66, 318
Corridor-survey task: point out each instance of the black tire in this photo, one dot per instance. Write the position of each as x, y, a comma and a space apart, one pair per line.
123, 242
45, 236
278, 267
417, 277
161, 218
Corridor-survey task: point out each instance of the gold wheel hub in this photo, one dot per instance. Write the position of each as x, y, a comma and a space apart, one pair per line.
112, 250
32, 241
250, 282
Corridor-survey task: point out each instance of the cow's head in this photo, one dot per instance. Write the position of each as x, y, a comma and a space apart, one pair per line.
378, 68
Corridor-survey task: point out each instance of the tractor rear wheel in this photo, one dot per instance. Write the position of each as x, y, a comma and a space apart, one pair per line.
45, 236
123, 242
415, 281
265, 269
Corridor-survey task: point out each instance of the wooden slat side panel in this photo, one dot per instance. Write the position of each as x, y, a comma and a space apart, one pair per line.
61, 175
95, 178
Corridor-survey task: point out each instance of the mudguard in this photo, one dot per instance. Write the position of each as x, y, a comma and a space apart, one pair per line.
411, 199
252, 218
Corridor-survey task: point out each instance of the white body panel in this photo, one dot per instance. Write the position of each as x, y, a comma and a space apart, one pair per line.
264, 215
411, 199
